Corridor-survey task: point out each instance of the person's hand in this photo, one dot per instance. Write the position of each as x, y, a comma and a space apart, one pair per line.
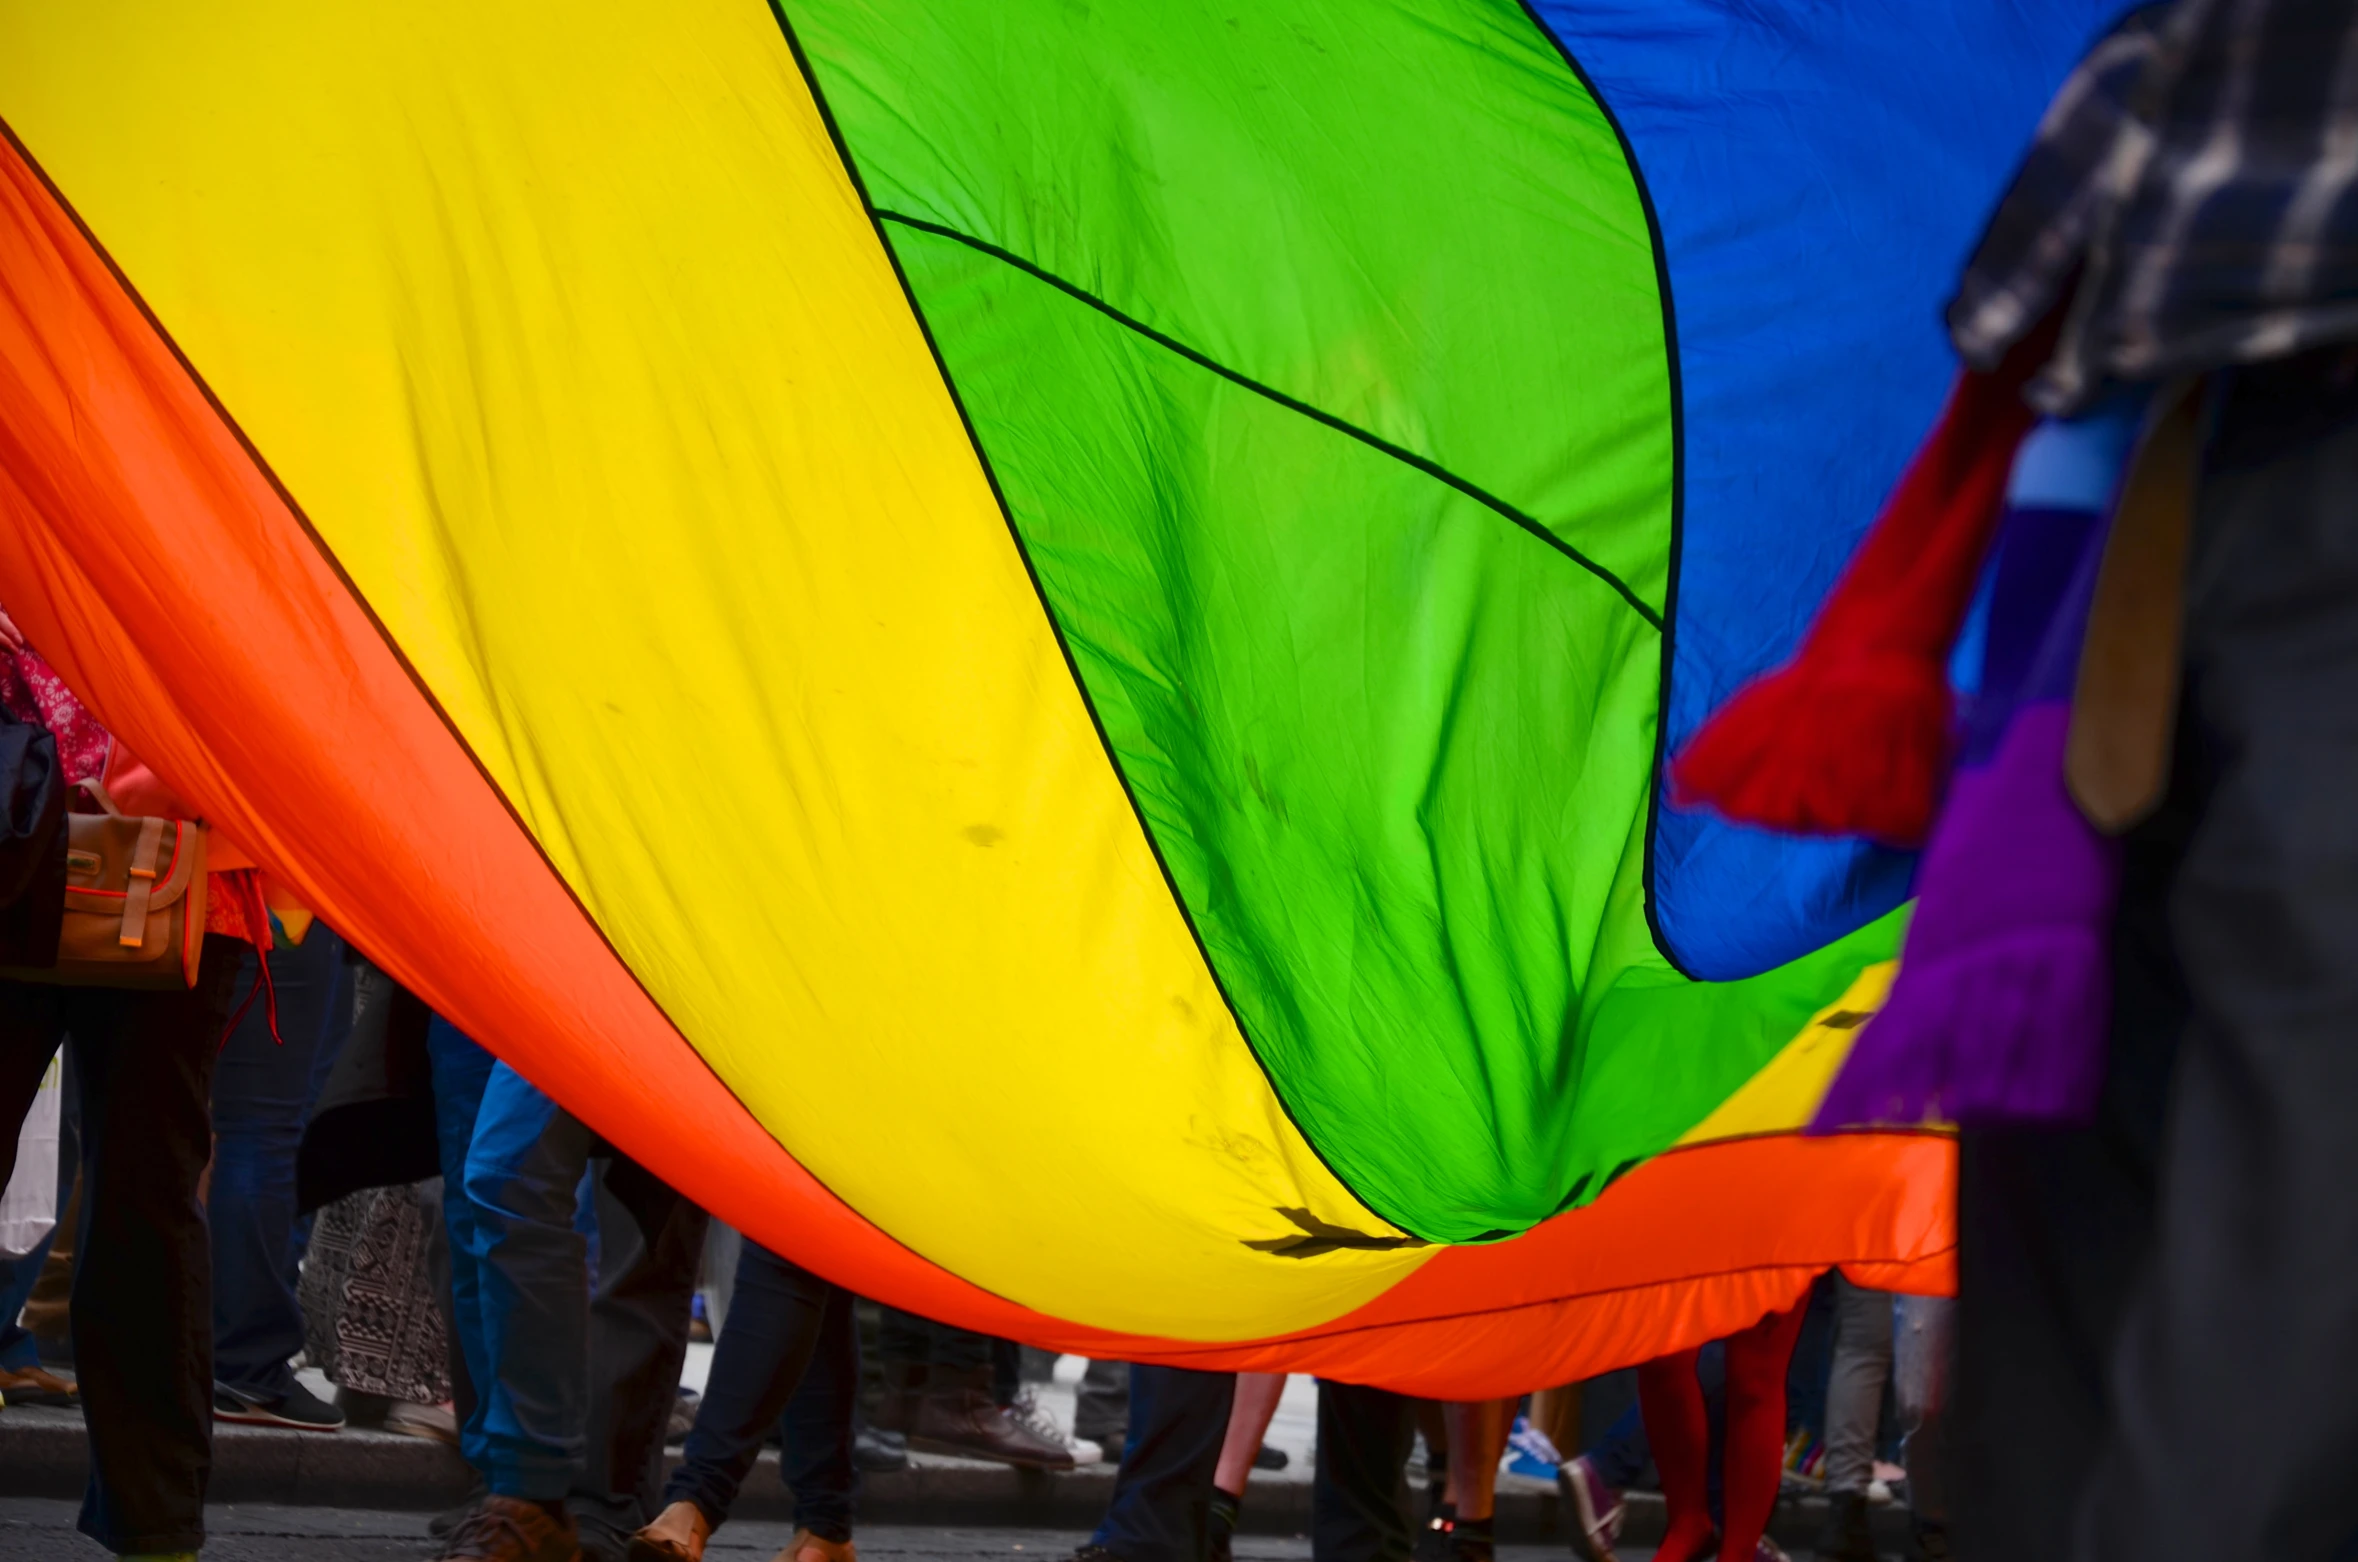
11, 637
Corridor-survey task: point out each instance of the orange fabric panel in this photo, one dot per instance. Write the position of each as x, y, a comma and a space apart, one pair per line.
148, 554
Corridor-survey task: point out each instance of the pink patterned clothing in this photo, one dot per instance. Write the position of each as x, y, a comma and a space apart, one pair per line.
31, 691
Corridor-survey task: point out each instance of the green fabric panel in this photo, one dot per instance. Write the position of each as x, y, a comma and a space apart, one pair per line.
1394, 751
1467, 272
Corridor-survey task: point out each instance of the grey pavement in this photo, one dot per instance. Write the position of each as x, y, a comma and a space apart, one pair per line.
37, 1527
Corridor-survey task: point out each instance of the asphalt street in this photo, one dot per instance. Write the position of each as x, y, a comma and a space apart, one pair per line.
32, 1527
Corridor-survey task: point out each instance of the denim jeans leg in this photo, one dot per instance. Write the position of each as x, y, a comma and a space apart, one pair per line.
775, 1319
523, 1181
815, 1458
461, 1070
262, 1093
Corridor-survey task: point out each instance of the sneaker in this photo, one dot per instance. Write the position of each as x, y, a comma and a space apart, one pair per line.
37, 1385
1268, 1458
1028, 1413
683, 1417
1597, 1509
434, 1423
1769, 1551
1530, 1453
878, 1452
509, 1529
299, 1408
677, 1534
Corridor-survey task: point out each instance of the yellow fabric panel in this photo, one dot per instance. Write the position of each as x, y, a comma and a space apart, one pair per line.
1785, 1094
565, 327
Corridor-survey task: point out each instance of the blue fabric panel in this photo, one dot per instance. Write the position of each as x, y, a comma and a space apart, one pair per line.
1819, 173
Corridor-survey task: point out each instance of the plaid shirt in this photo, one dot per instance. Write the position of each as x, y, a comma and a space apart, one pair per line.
2194, 190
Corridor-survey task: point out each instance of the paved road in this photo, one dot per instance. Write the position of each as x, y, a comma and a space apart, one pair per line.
32, 1527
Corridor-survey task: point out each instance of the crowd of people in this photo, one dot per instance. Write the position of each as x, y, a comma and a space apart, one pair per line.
289, 1157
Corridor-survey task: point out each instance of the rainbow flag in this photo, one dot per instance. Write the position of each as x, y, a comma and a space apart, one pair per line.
1026, 643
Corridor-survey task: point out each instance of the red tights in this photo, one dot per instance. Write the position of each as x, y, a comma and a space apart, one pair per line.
1753, 1461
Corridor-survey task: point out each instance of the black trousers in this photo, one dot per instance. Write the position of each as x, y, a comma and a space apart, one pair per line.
2158, 1327
789, 1353
650, 1242
1162, 1498
143, 1288
1359, 1496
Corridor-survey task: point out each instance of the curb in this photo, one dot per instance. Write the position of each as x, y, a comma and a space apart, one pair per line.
43, 1453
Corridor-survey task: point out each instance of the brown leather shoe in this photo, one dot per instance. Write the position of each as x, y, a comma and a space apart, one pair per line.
509, 1529
807, 1547
677, 1535
964, 1418
38, 1386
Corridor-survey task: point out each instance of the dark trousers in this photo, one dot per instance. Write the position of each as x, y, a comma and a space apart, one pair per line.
788, 1357
2158, 1320
650, 1242
1359, 1495
949, 1352
1162, 1497
142, 1303
262, 1093
2239, 1346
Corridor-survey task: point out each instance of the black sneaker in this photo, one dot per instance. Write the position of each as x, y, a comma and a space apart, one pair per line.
300, 1409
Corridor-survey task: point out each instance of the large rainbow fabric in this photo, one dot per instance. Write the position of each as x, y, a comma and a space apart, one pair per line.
1025, 642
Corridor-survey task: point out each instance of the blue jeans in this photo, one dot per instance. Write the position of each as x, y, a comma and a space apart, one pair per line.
789, 1356
512, 1164
1162, 1497
262, 1094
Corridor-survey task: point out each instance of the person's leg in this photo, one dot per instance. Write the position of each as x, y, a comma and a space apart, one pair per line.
1854, 1408
904, 1341
2241, 1339
1477, 1437
142, 1302
1593, 1484
1160, 1511
2052, 1227
1679, 1432
1924, 1345
775, 1318
1101, 1408
1754, 1460
650, 1241
523, 1176
461, 1070
960, 1411
1359, 1491
1257, 1394
815, 1457
262, 1093
30, 1030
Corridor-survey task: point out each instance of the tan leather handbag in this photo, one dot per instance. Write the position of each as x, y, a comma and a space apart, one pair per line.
134, 901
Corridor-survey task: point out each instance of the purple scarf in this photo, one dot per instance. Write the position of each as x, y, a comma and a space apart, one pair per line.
1999, 1011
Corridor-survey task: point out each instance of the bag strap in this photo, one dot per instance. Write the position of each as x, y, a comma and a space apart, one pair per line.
143, 882
96, 791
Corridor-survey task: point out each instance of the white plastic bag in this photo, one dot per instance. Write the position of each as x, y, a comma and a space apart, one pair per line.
29, 1206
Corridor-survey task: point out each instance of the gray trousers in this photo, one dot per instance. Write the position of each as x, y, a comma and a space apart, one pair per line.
2158, 1314
1854, 1386
2233, 1430
1923, 1360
